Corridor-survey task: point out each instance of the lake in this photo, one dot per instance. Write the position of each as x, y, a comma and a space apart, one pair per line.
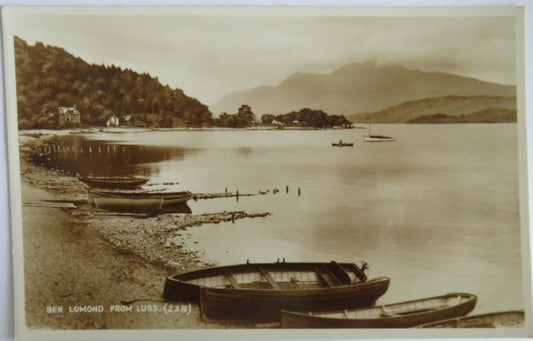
437, 211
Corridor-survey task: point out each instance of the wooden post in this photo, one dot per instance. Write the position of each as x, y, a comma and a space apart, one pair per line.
237, 196
226, 193
287, 189
298, 191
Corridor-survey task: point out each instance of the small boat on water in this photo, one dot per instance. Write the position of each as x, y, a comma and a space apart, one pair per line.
257, 292
113, 181
504, 319
169, 198
377, 138
342, 144
398, 315
129, 205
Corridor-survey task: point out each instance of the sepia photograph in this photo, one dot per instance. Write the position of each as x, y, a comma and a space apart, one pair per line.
267, 172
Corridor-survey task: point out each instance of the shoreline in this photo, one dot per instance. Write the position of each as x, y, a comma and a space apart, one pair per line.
74, 258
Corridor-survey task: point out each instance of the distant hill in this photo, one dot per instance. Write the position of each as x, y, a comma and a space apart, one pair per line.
446, 109
357, 88
48, 77
493, 115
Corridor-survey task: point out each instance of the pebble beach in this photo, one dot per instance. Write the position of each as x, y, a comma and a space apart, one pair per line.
91, 270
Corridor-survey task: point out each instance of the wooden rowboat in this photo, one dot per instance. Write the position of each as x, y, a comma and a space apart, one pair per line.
258, 292
113, 181
169, 198
397, 315
129, 205
504, 319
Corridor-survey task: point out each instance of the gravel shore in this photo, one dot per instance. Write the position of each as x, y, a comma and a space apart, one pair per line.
77, 260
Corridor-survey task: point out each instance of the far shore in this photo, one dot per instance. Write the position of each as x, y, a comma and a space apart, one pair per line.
74, 258
95, 130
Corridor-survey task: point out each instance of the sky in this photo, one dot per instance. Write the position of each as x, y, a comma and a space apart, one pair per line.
211, 55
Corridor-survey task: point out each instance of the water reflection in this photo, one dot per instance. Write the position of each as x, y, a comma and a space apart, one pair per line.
77, 155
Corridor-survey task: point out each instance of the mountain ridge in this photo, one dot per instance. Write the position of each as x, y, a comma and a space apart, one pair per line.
425, 110
357, 88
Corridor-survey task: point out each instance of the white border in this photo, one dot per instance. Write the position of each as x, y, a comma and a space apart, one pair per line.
7, 333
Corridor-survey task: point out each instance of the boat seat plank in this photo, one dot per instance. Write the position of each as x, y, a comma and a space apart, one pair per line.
269, 279
328, 278
232, 280
340, 273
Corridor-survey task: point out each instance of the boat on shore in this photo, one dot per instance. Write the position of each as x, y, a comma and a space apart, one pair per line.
129, 205
169, 198
257, 292
398, 315
113, 181
504, 319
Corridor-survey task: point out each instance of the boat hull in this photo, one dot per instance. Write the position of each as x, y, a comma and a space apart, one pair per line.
342, 145
186, 286
110, 182
379, 139
366, 318
256, 306
493, 320
169, 198
129, 205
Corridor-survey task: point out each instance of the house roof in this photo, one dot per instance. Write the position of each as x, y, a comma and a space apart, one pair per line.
64, 110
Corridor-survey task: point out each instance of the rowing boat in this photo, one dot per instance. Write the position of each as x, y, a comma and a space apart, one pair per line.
257, 292
136, 205
504, 319
398, 315
113, 181
342, 144
169, 198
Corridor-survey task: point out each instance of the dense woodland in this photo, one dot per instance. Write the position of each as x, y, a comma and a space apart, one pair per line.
48, 77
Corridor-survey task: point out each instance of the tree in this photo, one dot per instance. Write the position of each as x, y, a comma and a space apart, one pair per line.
245, 116
267, 118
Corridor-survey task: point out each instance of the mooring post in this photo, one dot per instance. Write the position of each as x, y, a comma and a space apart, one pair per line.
298, 191
287, 189
237, 195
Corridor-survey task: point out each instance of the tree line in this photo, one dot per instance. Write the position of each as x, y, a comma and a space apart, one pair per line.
48, 77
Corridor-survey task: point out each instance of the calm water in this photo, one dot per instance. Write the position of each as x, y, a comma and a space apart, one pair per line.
437, 211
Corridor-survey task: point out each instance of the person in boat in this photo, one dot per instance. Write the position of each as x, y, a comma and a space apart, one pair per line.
340, 142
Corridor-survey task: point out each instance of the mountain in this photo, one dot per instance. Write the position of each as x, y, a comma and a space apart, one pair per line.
357, 88
431, 110
49, 77
493, 115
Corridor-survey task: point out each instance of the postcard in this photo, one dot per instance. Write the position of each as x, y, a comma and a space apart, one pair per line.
268, 172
